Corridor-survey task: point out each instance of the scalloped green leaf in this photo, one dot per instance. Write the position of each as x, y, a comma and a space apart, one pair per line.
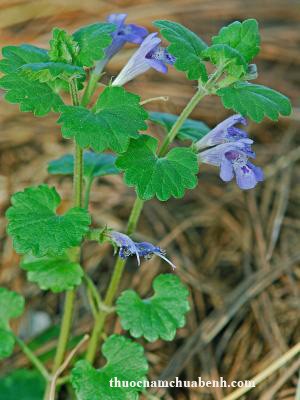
186, 46
95, 165
158, 316
63, 47
50, 71
242, 36
93, 40
125, 361
22, 384
255, 101
11, 306
37, 229
53, 273
37, 97
153, 176
222, 54
191, 129
116, 117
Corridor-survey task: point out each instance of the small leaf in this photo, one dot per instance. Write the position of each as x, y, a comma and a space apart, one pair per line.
158, 316
22, 384
125, 361
93, 40
95, 164
50, 71
153, 176
186, 46
191, 129
255, 101
63, 48
117, 116
37, 229
11, 306
222, 54
55, 273
242, 36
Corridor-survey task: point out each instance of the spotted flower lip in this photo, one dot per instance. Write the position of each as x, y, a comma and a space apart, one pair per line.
149, 55
127, 247
232, 158
224, 132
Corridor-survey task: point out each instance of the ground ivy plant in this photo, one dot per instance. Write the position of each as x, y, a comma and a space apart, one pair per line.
106, 123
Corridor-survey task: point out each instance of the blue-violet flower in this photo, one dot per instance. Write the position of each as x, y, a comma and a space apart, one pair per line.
149, 55
127, 247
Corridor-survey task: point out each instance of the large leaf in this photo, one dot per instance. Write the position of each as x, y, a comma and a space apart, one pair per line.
55, 273
125, 362
93, 40
242, 36
40, 98
228, 57
158, 316
117, 116
37, 229
153, 176
191, 129
186, 46
255, 101
22, 384
94, 165
11, 306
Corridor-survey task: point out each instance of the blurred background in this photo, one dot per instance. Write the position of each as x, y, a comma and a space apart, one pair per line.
237, 251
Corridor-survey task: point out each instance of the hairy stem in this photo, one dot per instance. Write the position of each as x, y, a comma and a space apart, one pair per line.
33, 358
132, 223
70, 294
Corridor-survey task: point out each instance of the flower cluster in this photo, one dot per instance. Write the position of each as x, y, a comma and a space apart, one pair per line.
127, 247
230, 149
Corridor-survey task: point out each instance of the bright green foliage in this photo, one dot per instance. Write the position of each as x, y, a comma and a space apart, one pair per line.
125, 361
186, 46
228, 57
50, 71
93, 40
158, 316
63, 48
242, 36
255, 101
153, 176
22, 384
33, 96
116, 117
55, 273
191, 129
11, 306
37, 229
95, 164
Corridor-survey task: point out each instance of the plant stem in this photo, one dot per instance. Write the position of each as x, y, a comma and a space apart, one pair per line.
70, 294
88, 187
33, 358
92, 85
132, 223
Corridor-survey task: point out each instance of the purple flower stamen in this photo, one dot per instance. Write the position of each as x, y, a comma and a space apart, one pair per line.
149, 55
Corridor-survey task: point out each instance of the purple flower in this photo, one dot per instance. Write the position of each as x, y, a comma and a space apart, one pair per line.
124, 33
127, 247
224, 132
149, 55
232, 158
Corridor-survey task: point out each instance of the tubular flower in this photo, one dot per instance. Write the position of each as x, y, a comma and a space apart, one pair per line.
124, 33
149, 55
231, 152
127, 247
